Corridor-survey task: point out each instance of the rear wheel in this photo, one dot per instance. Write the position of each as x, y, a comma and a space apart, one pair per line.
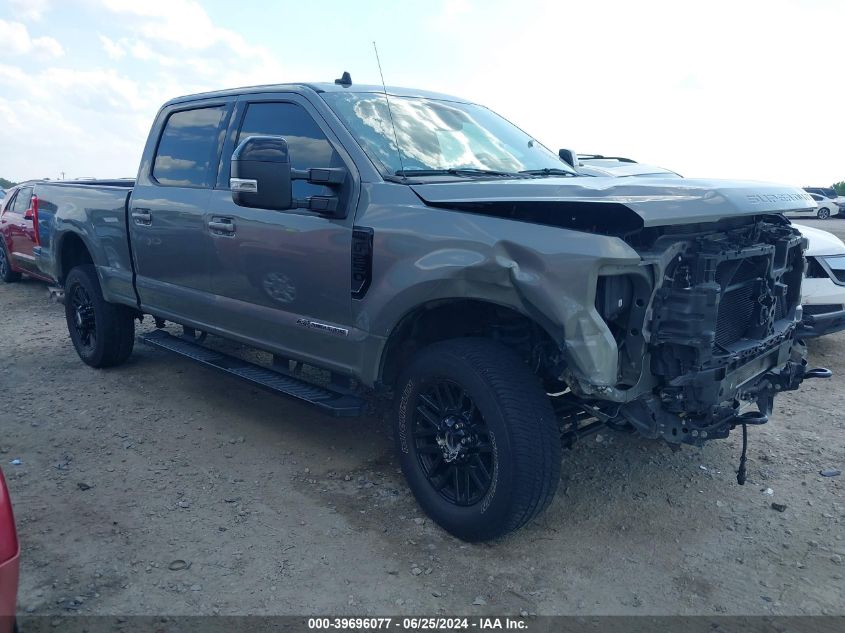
823, 213
6, 273
102, 333
477, 438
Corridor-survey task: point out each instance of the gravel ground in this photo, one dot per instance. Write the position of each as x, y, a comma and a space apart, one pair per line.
161, 487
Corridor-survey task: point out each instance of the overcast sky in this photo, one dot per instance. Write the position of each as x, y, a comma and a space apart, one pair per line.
733, 89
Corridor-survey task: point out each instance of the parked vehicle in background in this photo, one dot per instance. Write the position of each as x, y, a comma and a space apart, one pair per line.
19, 234
827, 192
823, 289
825, 207
827, 195
9, 561
503, 301
616, 166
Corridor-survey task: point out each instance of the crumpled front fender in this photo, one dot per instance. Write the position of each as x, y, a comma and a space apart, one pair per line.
547, 273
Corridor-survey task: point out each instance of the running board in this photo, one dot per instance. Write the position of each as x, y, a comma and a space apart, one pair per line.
335, 403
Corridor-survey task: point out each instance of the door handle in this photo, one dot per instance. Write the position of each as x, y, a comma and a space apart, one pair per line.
222, 226
142, 217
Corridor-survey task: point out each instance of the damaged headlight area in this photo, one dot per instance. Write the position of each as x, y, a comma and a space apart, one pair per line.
713, 331
621, 301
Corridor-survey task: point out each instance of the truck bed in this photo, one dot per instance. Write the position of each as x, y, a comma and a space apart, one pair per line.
95, 213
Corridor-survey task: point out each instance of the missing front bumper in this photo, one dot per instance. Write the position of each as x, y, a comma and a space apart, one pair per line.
670, 413
815, 325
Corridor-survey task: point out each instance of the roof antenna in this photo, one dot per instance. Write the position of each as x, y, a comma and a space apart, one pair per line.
390, 113
345, 80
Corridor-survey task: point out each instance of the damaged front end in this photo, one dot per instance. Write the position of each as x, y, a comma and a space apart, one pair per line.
714, 333
673, 306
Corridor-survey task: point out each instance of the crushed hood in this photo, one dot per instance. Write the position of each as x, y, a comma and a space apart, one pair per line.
657, 201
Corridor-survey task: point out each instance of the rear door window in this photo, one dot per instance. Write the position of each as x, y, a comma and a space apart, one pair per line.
188, 147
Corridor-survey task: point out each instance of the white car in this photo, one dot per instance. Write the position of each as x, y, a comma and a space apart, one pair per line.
826, 207
823, 289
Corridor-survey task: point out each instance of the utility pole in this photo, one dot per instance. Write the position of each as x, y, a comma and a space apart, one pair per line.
63, 174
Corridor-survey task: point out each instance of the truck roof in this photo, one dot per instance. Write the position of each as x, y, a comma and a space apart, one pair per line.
393, 91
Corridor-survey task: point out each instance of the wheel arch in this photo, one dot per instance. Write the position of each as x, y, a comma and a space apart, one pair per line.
71, 250
457, 317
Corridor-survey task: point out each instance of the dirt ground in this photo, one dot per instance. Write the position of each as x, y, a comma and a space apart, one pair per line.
263, 506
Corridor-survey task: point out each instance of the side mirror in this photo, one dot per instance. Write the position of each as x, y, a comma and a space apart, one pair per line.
569, 157
261, 173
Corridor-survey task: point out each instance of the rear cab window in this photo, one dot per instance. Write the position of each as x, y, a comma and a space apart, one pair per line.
188, 148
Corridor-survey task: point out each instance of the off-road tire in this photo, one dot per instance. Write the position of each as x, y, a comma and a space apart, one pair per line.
6, 273
113, 325
523, 434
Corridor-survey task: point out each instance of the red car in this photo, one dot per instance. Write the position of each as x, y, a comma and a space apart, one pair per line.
9, 555
19, 234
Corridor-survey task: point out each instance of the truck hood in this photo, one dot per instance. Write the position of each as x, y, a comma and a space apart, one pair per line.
656, 201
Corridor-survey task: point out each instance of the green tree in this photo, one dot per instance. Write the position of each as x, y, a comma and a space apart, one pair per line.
840, 187
5, 184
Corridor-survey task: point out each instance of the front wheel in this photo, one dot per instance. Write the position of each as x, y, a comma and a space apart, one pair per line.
102, 333
477, 438
823, 213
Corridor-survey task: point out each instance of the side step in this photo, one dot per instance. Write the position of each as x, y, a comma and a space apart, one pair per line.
337, 403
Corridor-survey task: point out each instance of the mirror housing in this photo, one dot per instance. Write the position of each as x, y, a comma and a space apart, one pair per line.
261, 174
569, 157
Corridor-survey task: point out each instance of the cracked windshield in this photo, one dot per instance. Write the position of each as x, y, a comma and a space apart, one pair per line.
438, 136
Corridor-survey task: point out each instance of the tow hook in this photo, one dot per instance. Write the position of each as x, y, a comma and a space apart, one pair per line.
758, 417
818, 372
751, 417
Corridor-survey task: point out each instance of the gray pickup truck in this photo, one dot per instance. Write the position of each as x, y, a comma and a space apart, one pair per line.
418, 247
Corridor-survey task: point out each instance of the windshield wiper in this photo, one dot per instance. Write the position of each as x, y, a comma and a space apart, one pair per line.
456, 171
549, 171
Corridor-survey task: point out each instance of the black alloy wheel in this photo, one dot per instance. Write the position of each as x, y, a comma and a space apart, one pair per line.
102, 333
476, 437
453, 443
84, 319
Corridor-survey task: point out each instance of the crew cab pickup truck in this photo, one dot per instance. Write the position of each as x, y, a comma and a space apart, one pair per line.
438, 255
